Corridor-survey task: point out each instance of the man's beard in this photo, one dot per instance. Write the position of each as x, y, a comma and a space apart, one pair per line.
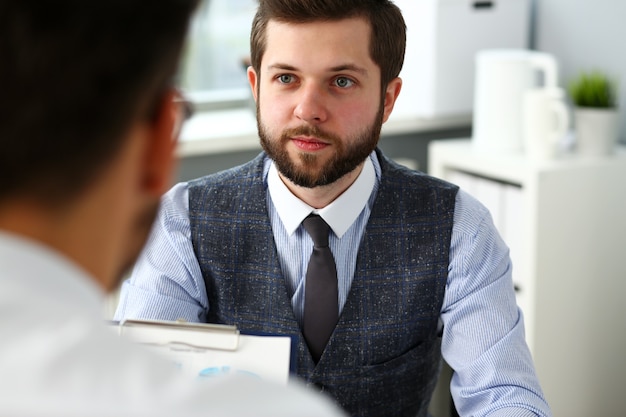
350, 152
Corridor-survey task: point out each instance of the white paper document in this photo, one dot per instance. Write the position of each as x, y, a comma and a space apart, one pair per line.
206, 350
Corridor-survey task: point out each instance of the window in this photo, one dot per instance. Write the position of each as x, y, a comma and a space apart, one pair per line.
213, 72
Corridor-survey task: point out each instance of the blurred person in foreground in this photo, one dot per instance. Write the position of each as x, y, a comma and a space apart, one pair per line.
421, 271
88, 121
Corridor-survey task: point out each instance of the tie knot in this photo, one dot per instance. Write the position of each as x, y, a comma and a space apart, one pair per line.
318, 229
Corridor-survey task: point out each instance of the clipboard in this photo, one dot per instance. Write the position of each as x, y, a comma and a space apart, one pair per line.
208, 350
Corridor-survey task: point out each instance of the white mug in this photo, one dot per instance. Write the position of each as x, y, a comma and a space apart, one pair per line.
546, 120
502, 78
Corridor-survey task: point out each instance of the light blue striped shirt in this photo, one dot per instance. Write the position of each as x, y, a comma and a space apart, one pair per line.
483, 330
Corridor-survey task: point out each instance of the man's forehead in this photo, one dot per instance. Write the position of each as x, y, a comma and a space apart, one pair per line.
352, 33
273, 24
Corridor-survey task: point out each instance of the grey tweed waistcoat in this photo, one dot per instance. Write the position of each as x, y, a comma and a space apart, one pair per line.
384, 355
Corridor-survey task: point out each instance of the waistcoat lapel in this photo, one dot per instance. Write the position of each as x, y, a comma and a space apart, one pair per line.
233, 242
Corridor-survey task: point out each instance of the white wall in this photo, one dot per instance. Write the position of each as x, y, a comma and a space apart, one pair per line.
585, 35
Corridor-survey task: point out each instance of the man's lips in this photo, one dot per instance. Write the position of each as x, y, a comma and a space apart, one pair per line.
309, 144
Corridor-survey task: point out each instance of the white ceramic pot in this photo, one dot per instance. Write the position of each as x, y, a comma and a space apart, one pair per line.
596, 131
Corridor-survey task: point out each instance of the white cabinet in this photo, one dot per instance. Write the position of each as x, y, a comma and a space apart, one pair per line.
565, 223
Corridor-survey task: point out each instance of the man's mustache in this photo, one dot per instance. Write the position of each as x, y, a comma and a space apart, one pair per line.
311, 131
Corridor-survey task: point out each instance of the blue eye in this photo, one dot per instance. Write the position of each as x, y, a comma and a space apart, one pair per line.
344, 82
285, 78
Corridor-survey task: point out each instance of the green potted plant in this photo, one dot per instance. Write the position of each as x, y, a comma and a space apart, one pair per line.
594, 96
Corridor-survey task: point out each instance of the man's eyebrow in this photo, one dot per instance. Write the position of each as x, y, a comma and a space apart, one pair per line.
349, 67
282, 67
338, 68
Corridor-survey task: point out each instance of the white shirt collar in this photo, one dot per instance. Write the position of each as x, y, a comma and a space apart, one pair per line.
340, 214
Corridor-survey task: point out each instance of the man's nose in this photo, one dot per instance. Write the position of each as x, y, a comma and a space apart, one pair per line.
311, 106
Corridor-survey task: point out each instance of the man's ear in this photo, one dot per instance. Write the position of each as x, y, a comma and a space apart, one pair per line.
391, 94
161, 146
253, 79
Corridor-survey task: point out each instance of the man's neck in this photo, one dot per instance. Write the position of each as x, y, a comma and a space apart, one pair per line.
321, 196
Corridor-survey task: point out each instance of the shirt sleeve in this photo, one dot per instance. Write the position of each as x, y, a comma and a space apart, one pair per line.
166, 282
483, 329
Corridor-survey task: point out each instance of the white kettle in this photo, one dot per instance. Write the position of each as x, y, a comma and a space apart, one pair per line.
502, 78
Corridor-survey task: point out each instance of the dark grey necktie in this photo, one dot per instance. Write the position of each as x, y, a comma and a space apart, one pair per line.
320, 294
